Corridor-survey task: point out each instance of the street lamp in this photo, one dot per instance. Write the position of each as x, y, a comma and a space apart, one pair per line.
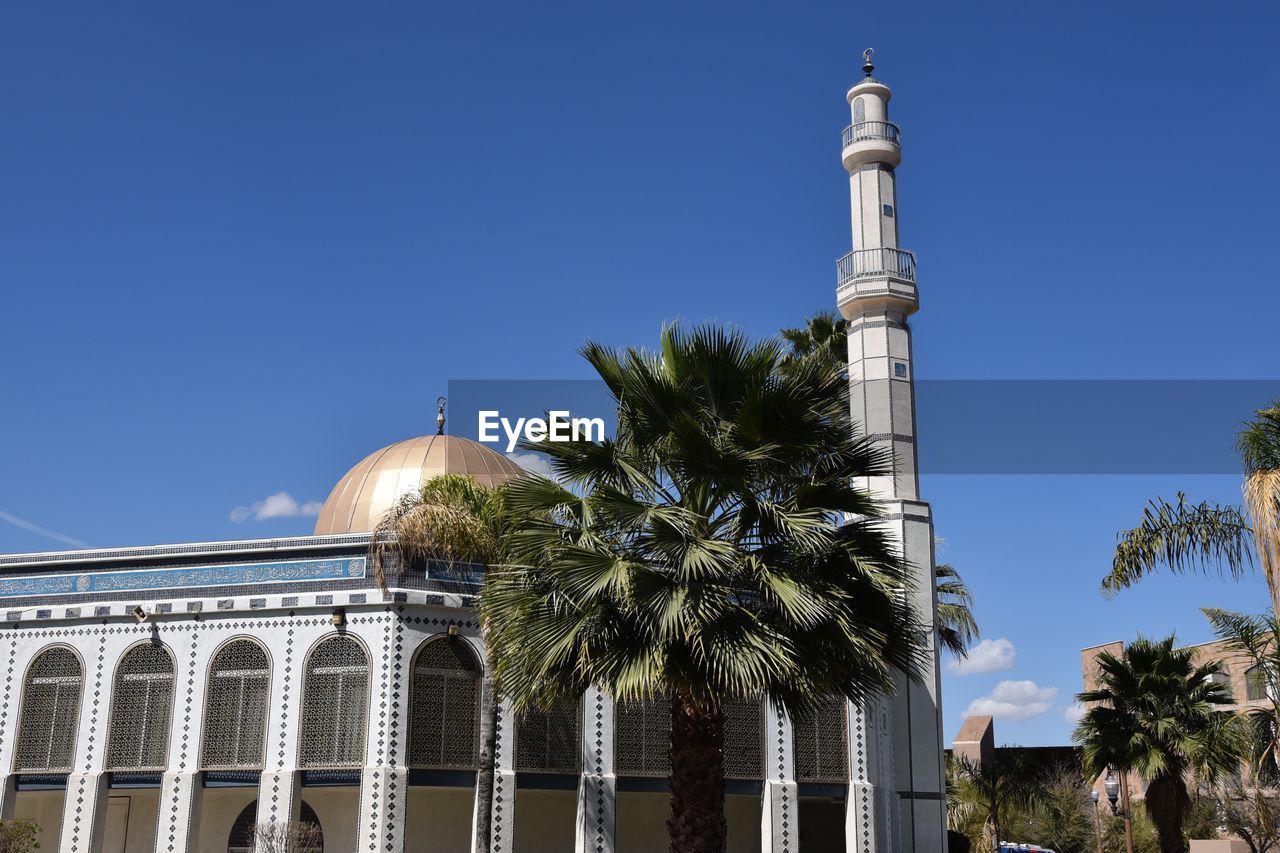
1119, 789
1113, 790
1097, 816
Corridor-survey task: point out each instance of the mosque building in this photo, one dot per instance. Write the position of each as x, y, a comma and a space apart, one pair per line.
172, 698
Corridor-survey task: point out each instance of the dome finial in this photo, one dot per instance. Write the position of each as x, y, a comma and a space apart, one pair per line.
866, 60
440, 401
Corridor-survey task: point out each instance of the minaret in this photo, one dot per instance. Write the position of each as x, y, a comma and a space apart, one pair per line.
897, 791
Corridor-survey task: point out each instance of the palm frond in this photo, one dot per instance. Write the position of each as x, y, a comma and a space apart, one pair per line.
1185, 537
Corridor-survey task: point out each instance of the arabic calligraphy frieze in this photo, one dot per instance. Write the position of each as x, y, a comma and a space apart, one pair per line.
137, 580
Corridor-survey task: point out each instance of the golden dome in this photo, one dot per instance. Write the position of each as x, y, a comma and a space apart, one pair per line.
363, 496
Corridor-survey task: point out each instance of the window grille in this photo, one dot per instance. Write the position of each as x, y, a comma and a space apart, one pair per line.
335, 704
821, 743
241, 839
444, 727
859, 111
1255, 684
141, 704
235, 713
50, 712
550, 741
743, 739
642, 737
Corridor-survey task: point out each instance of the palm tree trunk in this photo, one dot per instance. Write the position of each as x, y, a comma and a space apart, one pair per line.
1166, 803
488, 750
697, 823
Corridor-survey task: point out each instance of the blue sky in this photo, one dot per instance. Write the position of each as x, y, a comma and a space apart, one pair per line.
243, 245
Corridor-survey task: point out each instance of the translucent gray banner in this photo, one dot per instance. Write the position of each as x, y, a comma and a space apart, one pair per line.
977, 426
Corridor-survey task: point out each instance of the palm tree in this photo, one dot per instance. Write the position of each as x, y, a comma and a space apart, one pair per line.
1258, 639
1158, 714
825, 335
702, 555
452, 519
993, 788
1207, 536
957, 629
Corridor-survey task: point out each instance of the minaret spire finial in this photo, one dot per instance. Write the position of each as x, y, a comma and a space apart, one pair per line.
866, 60
440, 401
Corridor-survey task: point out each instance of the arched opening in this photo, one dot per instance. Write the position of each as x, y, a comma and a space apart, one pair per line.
235, 712
50, 713
141, 705
244, 832
445, 722
48, 723
1255, 684
444, 742
335, 705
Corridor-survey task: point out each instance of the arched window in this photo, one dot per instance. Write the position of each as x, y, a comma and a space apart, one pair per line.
308, 836
821, 742
743, 739
50, 712
642, 737
1224, 682
859, 111
142, 701
335, 705
550, 741
1255, 684
235, 711
444, 730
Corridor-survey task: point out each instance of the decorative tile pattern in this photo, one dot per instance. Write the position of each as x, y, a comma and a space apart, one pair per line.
18, 586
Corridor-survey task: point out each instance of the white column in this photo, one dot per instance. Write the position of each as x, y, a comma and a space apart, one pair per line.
871, 814
384, 780
84, 809
597, 787
8, 722
279, 789
502, 814
780, 808
181, 789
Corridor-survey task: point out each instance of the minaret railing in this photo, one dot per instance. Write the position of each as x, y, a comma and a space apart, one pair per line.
865, 130
876, 263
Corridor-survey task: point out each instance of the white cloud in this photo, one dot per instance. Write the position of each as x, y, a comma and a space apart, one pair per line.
535, 463
31, 526
1073, 712
279, 505
987, 656
1014, 700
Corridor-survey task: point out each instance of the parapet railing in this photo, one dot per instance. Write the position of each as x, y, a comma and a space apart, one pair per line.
876, 263
864, 130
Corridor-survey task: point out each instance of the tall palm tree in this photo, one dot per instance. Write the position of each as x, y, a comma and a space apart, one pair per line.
452, 519
701, 555
1208, 537
994, 787
1258, 639
1157, 713
825, 335
957, 629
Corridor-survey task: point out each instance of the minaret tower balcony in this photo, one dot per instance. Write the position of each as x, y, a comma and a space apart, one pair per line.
872, 138
879, 275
